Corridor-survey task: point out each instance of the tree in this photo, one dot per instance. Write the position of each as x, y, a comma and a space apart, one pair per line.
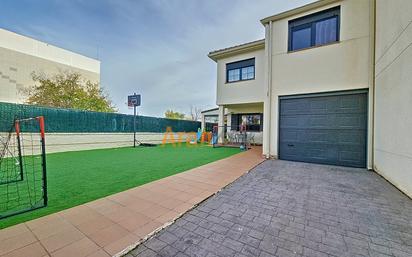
68, 90
170, 114
195, 113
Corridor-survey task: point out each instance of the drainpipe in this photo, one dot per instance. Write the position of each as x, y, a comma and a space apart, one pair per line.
269, 86
270, 81
373, 86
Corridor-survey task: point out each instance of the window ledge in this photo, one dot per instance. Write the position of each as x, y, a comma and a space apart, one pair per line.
237, 81
313, 47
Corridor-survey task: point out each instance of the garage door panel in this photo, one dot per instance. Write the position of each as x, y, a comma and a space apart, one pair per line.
350, 121
317, 121
351, 137
318, 153
326, 136
316, 137
324, 153
290, 153
307, 136
324, 121
307, 121
310, 153
316, 106
352, 103
294, 106
324, 129
292, 121
290, 136
325, 104
305, 106
351, 156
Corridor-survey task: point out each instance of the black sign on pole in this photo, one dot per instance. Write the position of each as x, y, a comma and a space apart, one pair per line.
134, 101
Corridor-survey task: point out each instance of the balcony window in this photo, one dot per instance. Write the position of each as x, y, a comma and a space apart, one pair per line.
242, 70
314, 30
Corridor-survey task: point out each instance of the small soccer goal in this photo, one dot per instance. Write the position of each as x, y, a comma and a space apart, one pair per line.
23, 182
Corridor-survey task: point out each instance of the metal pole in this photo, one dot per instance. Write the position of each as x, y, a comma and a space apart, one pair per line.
134, 127
17, 127
43, 153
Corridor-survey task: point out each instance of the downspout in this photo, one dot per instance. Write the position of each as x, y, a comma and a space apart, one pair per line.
373, 68
269, 93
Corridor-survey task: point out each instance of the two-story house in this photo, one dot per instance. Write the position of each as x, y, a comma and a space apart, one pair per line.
241, 86
310, 87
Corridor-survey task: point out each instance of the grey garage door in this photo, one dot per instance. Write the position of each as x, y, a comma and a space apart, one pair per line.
327, 129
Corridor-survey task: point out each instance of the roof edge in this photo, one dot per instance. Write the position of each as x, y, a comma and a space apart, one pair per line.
209, 110
238, 49
297, 10
23, 44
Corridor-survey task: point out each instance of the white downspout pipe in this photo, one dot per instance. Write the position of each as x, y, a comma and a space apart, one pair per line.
270, 85
268, 99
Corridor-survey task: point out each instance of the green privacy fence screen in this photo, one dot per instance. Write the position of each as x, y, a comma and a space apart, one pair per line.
77, 121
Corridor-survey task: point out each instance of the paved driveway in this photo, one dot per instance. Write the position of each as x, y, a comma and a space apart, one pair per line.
293, 209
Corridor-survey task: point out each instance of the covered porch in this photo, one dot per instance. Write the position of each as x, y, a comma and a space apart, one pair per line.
237, 122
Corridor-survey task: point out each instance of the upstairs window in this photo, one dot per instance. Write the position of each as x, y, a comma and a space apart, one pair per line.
242, 70
314, 30
233, 75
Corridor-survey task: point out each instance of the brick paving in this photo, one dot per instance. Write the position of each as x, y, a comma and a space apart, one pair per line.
293, 209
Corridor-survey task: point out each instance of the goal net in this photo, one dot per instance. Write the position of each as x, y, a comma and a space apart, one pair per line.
23, 185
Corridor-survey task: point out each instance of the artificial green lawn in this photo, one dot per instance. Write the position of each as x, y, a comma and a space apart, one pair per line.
78, 177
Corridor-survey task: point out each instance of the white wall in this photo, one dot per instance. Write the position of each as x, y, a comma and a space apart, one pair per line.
20, 56
245, 108
65, 142
341, 66
249, 91
19, 43
393, 106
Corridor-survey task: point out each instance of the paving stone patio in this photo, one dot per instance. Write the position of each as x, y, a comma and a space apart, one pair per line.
115, 224
293, 209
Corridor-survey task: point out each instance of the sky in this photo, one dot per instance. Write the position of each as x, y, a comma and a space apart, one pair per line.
156, 48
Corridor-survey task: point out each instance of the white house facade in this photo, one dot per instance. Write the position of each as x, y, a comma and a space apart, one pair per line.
328, 84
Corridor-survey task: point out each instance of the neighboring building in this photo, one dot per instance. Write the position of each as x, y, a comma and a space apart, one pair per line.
20, 56
328, 84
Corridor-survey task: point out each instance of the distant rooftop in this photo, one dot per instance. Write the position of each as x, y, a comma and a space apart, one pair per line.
26, 45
